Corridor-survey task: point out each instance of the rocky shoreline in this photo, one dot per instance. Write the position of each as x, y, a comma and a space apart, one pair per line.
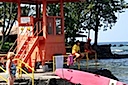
104, 52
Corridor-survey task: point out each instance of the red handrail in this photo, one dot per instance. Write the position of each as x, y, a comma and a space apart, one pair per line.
15, 43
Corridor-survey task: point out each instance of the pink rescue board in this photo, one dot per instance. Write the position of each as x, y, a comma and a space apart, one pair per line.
85, 78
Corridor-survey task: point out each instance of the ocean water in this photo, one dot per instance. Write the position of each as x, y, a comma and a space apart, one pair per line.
118, 67
117, 47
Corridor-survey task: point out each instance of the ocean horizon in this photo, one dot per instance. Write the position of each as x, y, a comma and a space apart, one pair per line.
117, 47
112, 43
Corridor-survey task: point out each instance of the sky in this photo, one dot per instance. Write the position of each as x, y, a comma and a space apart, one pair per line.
118, 33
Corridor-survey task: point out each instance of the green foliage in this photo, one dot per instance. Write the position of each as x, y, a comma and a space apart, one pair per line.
74, 18
6, 46
103, 11
8, 15
53, 9
10, 11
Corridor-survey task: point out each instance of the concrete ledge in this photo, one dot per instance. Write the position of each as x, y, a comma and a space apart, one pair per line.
3, 55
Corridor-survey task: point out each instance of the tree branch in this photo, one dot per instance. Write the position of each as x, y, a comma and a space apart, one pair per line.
11, 25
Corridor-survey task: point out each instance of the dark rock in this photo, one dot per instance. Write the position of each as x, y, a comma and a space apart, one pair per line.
121, 45
52, 82
40, 82
113, 45
106, 73
58, 82
119, 56
103, 51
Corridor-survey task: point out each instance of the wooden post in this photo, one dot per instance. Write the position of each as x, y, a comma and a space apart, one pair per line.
19, 11
96, 60
62, 16
44, 24
19, 21
54, 25
87, 59
44, 18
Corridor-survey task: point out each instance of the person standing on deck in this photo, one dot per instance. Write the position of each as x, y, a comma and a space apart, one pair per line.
10, 68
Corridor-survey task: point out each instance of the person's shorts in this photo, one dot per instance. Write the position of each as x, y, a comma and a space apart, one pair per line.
7, 75
86, 50
75, 54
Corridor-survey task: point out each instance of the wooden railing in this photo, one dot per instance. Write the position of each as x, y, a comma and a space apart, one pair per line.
87, 60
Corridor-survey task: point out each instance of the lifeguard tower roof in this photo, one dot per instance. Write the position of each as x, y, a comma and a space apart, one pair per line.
37, 1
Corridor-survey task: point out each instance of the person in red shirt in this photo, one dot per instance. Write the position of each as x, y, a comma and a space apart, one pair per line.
87, 47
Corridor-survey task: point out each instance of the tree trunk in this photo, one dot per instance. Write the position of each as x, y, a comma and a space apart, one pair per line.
96, 31
3, 28
96, 35
97, 26
9, 30
89, 33
2, 41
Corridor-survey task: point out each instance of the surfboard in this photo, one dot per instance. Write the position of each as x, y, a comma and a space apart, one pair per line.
85, 78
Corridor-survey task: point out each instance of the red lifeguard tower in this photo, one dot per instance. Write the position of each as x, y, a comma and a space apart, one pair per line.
39, 38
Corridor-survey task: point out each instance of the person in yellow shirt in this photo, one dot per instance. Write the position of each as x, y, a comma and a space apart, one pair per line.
76, 51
